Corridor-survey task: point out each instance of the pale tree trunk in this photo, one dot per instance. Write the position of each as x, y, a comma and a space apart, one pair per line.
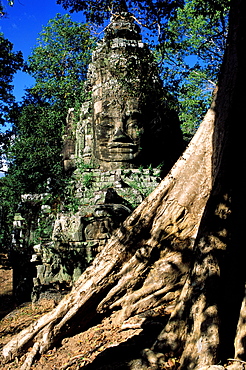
203, 324
145, 262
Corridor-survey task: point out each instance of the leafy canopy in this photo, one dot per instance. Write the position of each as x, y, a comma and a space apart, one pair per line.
151, 13
58, 63
188, 39
2, 8
10, 63
154, 14
190, 56
35, 154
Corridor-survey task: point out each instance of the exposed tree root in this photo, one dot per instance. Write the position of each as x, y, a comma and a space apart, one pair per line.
145, 262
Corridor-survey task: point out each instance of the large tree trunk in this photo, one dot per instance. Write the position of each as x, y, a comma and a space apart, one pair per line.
145, 262
204, 322
153, 257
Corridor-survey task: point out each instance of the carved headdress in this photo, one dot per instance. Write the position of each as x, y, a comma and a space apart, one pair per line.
120, 7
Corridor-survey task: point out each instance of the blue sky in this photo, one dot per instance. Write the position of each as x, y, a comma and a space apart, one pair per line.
21, 26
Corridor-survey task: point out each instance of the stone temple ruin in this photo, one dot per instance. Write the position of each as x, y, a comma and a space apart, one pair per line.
125, 139
127, 122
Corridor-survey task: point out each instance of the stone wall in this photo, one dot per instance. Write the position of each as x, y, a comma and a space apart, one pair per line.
64, 243
103, 200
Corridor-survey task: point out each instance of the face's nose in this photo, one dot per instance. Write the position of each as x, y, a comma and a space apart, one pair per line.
120, 136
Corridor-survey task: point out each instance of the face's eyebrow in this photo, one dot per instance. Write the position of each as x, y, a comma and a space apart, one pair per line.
131, 111
104, 115
132, 114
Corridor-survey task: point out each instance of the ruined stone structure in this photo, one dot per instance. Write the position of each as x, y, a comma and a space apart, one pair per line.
127, 123
100, 202
112, 153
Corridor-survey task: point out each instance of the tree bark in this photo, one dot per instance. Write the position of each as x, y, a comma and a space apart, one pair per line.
144, 263
203, 324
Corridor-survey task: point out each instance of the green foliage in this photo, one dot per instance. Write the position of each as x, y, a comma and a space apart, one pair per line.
8, 204
140, 185
82, 166
2, 8
84, 173
190, 55
10, 63
153, 15
85, 176
87, 179
44, 230
59, 61
58, 64
69, 202
150, 12
35, 154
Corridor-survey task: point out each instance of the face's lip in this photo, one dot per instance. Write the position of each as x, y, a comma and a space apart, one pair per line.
122, 146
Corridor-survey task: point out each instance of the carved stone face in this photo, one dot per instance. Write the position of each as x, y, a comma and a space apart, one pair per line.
117, 134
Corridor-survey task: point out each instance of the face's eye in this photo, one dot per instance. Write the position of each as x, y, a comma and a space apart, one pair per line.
133, 126
104, 129
133, 119
106, 125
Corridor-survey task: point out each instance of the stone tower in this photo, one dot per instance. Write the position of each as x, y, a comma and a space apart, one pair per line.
127, 122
